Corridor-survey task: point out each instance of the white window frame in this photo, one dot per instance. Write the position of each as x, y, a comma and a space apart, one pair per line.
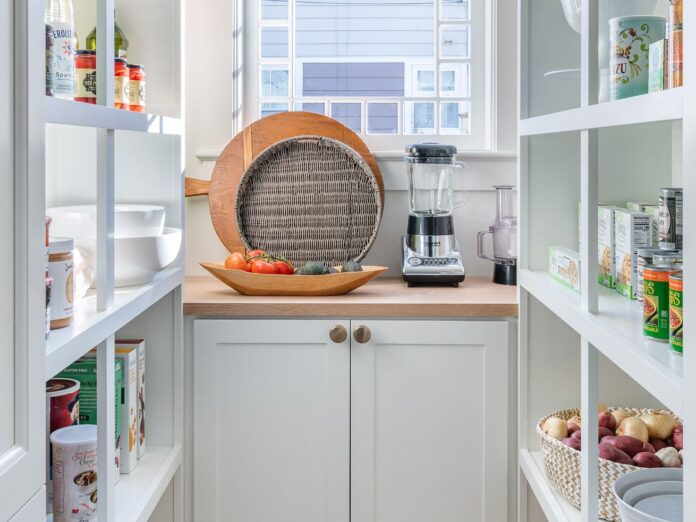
481, 78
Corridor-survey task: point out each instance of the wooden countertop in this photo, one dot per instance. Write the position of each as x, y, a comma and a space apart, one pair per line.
387, 297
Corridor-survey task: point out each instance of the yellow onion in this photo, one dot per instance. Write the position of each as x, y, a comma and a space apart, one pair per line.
575, 419
660, 424
556, 428
633, 427
620, 414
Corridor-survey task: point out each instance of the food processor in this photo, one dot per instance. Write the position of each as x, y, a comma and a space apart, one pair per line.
431, 252
504, 235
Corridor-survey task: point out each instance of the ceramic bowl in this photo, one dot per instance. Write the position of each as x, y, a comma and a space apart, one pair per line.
138, 259
80, 221
637, 486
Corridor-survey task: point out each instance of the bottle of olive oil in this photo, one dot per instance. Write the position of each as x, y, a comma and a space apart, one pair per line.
120, 41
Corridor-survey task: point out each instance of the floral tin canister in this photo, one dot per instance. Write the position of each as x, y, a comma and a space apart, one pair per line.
631, 37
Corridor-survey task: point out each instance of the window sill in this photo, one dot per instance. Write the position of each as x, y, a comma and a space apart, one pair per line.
212, 155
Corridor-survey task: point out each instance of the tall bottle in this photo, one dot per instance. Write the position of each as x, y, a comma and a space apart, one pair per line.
120, 41
60, 63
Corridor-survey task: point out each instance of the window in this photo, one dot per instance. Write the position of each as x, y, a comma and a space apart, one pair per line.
387, 69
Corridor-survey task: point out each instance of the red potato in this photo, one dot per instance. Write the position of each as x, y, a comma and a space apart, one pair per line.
577, 434
572, 427
629, 445
601, 433
678, 437
607, 420
645, 459
614, 454
658, 444
573, 443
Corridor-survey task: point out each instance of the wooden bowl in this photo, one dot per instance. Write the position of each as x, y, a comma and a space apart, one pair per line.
247, 283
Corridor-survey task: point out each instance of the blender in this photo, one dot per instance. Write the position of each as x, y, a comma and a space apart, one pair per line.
431, 252
504, 235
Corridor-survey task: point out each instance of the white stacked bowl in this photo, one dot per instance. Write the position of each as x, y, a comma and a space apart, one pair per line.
633, 488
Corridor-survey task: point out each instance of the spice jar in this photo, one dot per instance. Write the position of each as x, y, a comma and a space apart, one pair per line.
121, 81
136, 87
60, 269
85, 76
675, 62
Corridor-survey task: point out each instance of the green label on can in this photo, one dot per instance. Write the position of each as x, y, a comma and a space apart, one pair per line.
676, 316
656, 307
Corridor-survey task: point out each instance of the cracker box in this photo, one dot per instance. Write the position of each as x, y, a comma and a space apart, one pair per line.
654, 212
84, 370
128, 355
606, 274
139, 346
657, 77
564, 267
632, 230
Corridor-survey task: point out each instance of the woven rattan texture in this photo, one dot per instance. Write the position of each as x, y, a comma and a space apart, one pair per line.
309, 199
562, 464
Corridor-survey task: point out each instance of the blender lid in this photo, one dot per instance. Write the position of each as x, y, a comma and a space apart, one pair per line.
430, 151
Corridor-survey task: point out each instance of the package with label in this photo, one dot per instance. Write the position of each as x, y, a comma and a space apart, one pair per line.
84, 371
654, 212
657, 55
632, 230
139, 345
564, 267
128, 355
606, 274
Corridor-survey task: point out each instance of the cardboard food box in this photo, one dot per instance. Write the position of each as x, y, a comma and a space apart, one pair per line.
657, 69
564, 267
139, 345
129, 406
606, 274
84, 371
632, 230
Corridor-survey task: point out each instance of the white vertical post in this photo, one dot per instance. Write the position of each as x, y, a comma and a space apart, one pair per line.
589, 65
588, 414
105, 157
522, 396
106, 425
589, 188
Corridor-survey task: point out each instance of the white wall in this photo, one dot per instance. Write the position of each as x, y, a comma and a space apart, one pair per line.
209, 118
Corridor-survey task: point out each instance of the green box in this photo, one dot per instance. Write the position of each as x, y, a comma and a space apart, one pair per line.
656, 64
564, 267
85, 371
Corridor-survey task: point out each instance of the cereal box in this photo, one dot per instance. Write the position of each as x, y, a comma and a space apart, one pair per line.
128, 355
564, 267
605, 246
139, 345
632, 230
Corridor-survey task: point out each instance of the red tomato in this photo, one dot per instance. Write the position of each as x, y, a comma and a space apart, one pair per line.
263, 267
284, 267
256, 253
236, 261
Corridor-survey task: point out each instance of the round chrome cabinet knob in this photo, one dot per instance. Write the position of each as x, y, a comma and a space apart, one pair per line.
362, 334
338, 333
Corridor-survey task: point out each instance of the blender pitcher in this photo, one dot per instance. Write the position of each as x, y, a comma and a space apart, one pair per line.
504, 236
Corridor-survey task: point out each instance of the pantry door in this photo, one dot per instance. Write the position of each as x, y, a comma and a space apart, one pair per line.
22, 257
429, 421
271, 421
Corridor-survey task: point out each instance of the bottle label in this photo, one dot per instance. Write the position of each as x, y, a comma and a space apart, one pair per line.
121, 90
136, 92
85, 83
59, 59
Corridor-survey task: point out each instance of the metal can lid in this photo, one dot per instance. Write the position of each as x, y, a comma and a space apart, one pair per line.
135, 66
671, 189
677, 276
659, 268
647, 251
85, 51
120, 60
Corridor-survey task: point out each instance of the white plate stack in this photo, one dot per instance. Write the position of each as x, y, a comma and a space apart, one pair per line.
651, 495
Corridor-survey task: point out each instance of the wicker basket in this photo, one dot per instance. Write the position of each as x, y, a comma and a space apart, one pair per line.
309, 198
562, 465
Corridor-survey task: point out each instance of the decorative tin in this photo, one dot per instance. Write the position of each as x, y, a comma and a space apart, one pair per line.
631, 37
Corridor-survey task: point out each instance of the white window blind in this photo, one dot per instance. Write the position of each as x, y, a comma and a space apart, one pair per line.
393, 71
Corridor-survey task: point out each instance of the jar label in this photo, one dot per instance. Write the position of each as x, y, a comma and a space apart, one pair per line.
62, 291
85, 83
60, 63
136, 92
121, 90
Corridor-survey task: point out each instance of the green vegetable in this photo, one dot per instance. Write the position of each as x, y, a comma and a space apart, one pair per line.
313, 269
351, 266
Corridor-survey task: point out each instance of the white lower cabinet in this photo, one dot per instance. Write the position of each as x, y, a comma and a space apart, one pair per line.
411, 424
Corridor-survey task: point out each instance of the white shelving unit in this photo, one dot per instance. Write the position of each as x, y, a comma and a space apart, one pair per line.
580, 349
95, 154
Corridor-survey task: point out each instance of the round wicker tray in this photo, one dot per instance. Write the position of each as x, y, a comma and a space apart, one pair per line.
309, 198
562, 465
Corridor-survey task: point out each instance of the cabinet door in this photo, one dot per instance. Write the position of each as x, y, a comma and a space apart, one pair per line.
271, 421
429, 422
22, 260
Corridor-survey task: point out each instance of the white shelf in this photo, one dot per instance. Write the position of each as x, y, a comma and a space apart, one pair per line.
556, 508
659, 106
138, 493
617, 331
90, 327
66, 112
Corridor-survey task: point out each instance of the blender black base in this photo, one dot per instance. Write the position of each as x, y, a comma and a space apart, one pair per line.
440, 280
505, 274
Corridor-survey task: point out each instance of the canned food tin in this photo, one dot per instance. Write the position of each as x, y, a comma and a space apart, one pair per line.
676, 316
656, 302
644, 257
668, 257
671, 220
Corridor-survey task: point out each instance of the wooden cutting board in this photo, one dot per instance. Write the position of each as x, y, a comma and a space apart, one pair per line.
247, 145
